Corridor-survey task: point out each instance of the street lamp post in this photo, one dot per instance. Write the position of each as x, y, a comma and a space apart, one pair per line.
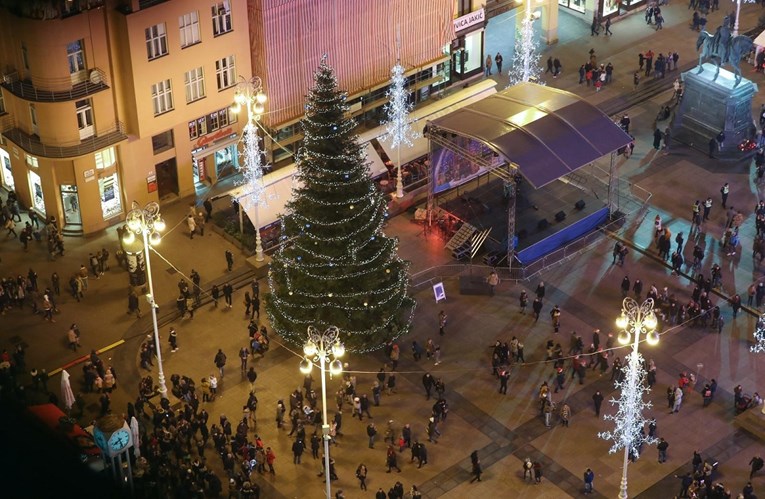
250, 94
636, 319
147, 223
319, 347
738, 11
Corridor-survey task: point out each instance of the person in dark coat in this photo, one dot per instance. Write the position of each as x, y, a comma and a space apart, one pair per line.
657, 138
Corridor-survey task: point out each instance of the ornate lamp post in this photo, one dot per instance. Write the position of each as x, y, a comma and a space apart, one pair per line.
249, 93
147, 223
319, 347
635, 320
738, 11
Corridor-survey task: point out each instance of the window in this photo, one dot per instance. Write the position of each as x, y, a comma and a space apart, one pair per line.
189, 26
105, 158
32, 161
221, 18
156, 41
76, 57
84, 111
162, 97
211, 122
162, 142
25, 56
226, 72
195, 84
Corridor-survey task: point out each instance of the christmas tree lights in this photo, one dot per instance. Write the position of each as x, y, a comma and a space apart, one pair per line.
525, 65
336, 267
399, 131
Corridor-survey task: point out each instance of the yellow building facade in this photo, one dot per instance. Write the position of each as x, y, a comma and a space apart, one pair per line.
112, 102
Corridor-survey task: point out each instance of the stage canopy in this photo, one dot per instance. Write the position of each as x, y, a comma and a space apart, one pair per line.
547, 133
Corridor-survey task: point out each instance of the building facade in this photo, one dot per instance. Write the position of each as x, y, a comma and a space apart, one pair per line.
107, 102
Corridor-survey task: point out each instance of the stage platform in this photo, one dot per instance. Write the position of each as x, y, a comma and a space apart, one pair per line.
485, 206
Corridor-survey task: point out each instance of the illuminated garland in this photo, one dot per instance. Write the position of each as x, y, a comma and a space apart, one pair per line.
525, 66
759, 336
629, 419
252, 172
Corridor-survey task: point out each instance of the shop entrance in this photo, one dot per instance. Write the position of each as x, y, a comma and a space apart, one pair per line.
35, 188
71, 203
226, 161
167, 178
7, 176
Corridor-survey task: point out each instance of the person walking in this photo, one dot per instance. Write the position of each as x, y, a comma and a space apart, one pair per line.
371, 433
476, 466
707, 208
229, 260
597, 400
756, 463
390, 459
524, 301
297, 450
270, 458
662, 447
536, 307
608, 27
493, 281
173, 340
251, 377
498, 60
220, 361
441, 322
589, 478
565, 415
487, 66
504, 376
361, 474
724, 191
228, 292
192, 224
555, 316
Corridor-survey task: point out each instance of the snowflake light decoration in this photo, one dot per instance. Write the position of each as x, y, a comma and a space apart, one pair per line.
525, 66
399, 131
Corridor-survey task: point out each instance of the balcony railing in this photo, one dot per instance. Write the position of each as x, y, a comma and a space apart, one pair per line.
54, 89
34, 146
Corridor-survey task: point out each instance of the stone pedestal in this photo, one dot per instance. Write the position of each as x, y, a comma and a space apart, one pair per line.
710, 106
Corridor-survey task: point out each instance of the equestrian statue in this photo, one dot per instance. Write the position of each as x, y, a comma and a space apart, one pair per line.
723, 48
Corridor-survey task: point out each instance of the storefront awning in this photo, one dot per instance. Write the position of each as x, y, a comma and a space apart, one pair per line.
376, 165
760, 40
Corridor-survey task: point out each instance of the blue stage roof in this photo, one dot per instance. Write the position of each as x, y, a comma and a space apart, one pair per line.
547, 133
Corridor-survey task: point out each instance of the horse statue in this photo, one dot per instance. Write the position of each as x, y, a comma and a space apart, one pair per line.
723, 48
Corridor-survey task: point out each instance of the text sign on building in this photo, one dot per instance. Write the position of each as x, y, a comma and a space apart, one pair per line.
468, 20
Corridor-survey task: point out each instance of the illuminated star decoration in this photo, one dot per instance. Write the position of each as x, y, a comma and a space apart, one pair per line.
759, 336
252, 171
629, 419
525, 66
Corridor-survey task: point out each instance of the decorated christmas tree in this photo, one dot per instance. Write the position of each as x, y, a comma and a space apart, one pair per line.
336, 267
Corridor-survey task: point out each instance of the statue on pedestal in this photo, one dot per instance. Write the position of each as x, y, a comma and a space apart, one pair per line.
723, 48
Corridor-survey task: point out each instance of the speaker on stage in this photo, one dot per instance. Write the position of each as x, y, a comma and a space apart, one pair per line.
542, 224
579, 204
560, 216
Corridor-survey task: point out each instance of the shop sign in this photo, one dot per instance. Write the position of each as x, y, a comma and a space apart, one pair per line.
212, 137
151, 182
89, 175
468, 20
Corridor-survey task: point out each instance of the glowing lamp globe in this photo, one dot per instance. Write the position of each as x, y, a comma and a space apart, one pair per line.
338, 349
154, 238
624, 337
622, 322
335, 367
309, 349
260, 98
128, 237
652, 338
650, 321
305, 366
159, 225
